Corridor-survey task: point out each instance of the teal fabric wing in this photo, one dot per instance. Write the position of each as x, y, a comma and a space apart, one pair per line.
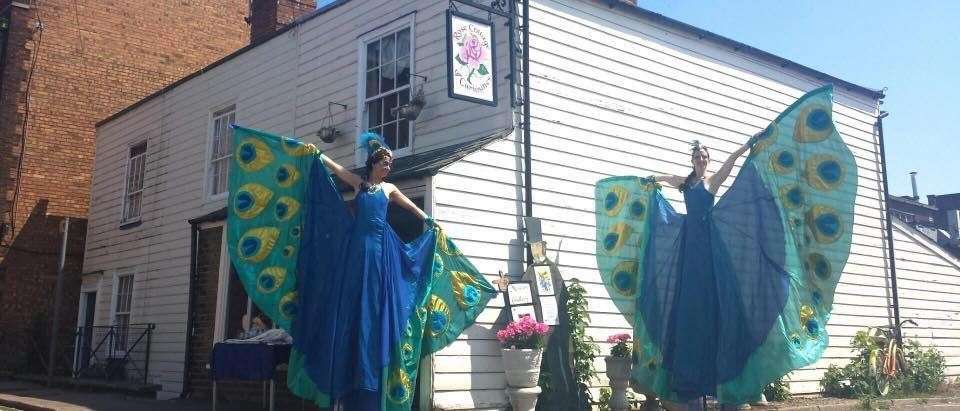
449, 303
811, 175
623, 207
264, 218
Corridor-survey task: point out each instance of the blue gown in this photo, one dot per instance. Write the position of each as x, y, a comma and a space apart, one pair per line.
735, 293
348, 330
362, 306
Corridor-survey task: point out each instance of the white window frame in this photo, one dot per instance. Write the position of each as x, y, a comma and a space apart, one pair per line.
408, 21
114, 295
208, 185
124, 218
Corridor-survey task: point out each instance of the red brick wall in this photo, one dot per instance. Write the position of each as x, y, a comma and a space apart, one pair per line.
90, 59
30, 267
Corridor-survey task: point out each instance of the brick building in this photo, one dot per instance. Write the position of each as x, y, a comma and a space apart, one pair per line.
64, 65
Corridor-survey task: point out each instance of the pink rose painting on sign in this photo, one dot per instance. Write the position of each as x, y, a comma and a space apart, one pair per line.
472, 55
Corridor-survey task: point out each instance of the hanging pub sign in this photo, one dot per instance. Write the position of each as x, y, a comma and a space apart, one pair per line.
471, 59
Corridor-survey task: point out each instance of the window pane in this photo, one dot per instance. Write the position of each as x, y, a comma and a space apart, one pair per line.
138, 149
388, 46
218, 176
228, 134
373, 114
133, 206
372, 83
390, 135
386, 77
403, 134
403, 42
216, 139
373, 55
404, 96
389, 104
222, 182
403, 72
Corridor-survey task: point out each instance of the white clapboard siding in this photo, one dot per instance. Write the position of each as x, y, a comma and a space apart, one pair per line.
613, 94
283, 86
935, 308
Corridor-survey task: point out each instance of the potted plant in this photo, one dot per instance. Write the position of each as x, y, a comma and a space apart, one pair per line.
522, 342
618, 370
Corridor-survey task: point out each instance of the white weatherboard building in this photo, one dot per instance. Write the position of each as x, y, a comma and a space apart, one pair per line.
614, 90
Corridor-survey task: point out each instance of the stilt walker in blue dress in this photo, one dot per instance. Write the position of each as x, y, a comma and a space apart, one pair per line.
736, 293
363, 307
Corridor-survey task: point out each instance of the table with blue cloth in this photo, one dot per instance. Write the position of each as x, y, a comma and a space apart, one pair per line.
246, 362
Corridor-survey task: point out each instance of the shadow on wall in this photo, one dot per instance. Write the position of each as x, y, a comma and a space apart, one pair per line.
28, 274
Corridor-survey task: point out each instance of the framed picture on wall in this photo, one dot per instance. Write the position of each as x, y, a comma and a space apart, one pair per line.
548, 310
517, 311
519, 293
543, 277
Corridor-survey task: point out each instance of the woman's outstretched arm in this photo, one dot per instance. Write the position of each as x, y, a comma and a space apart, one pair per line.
721, 175
398, 197
675, 181
346, 175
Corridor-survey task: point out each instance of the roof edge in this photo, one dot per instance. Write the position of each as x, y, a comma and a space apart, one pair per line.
926, 242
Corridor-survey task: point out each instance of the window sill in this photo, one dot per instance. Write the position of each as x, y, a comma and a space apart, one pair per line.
126, 225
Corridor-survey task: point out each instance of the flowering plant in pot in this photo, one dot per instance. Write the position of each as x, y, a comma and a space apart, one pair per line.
522, 342
621, 348
618, 369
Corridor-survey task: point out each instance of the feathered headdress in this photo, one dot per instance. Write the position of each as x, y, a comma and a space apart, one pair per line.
695, 146
372, 143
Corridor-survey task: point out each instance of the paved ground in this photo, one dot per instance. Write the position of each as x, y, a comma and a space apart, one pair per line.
16, 395
24, 396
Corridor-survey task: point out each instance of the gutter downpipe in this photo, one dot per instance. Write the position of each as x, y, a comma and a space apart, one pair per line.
889, 217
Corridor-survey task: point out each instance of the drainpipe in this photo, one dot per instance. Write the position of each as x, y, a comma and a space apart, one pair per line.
886, 207
57, 302
527, 158
194, 233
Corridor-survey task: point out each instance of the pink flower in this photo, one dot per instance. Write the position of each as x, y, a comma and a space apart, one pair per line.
618, 338
523, 333
472, 53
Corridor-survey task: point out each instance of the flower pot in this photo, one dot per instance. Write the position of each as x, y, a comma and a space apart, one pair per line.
618, 371
618, 368
522, 366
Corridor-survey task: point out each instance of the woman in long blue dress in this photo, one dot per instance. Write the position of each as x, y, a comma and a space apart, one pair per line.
693, 331
736, 293
362, 306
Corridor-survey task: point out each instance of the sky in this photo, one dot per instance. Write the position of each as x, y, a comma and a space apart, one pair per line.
912, 48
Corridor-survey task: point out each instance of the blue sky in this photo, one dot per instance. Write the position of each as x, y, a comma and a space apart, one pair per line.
910, 47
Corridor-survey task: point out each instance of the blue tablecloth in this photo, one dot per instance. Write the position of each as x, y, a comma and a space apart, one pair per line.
247, 361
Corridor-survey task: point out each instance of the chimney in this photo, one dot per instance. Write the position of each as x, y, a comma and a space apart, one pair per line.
267, 16
913, 182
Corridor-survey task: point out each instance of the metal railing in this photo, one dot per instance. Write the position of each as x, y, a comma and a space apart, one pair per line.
113, 353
